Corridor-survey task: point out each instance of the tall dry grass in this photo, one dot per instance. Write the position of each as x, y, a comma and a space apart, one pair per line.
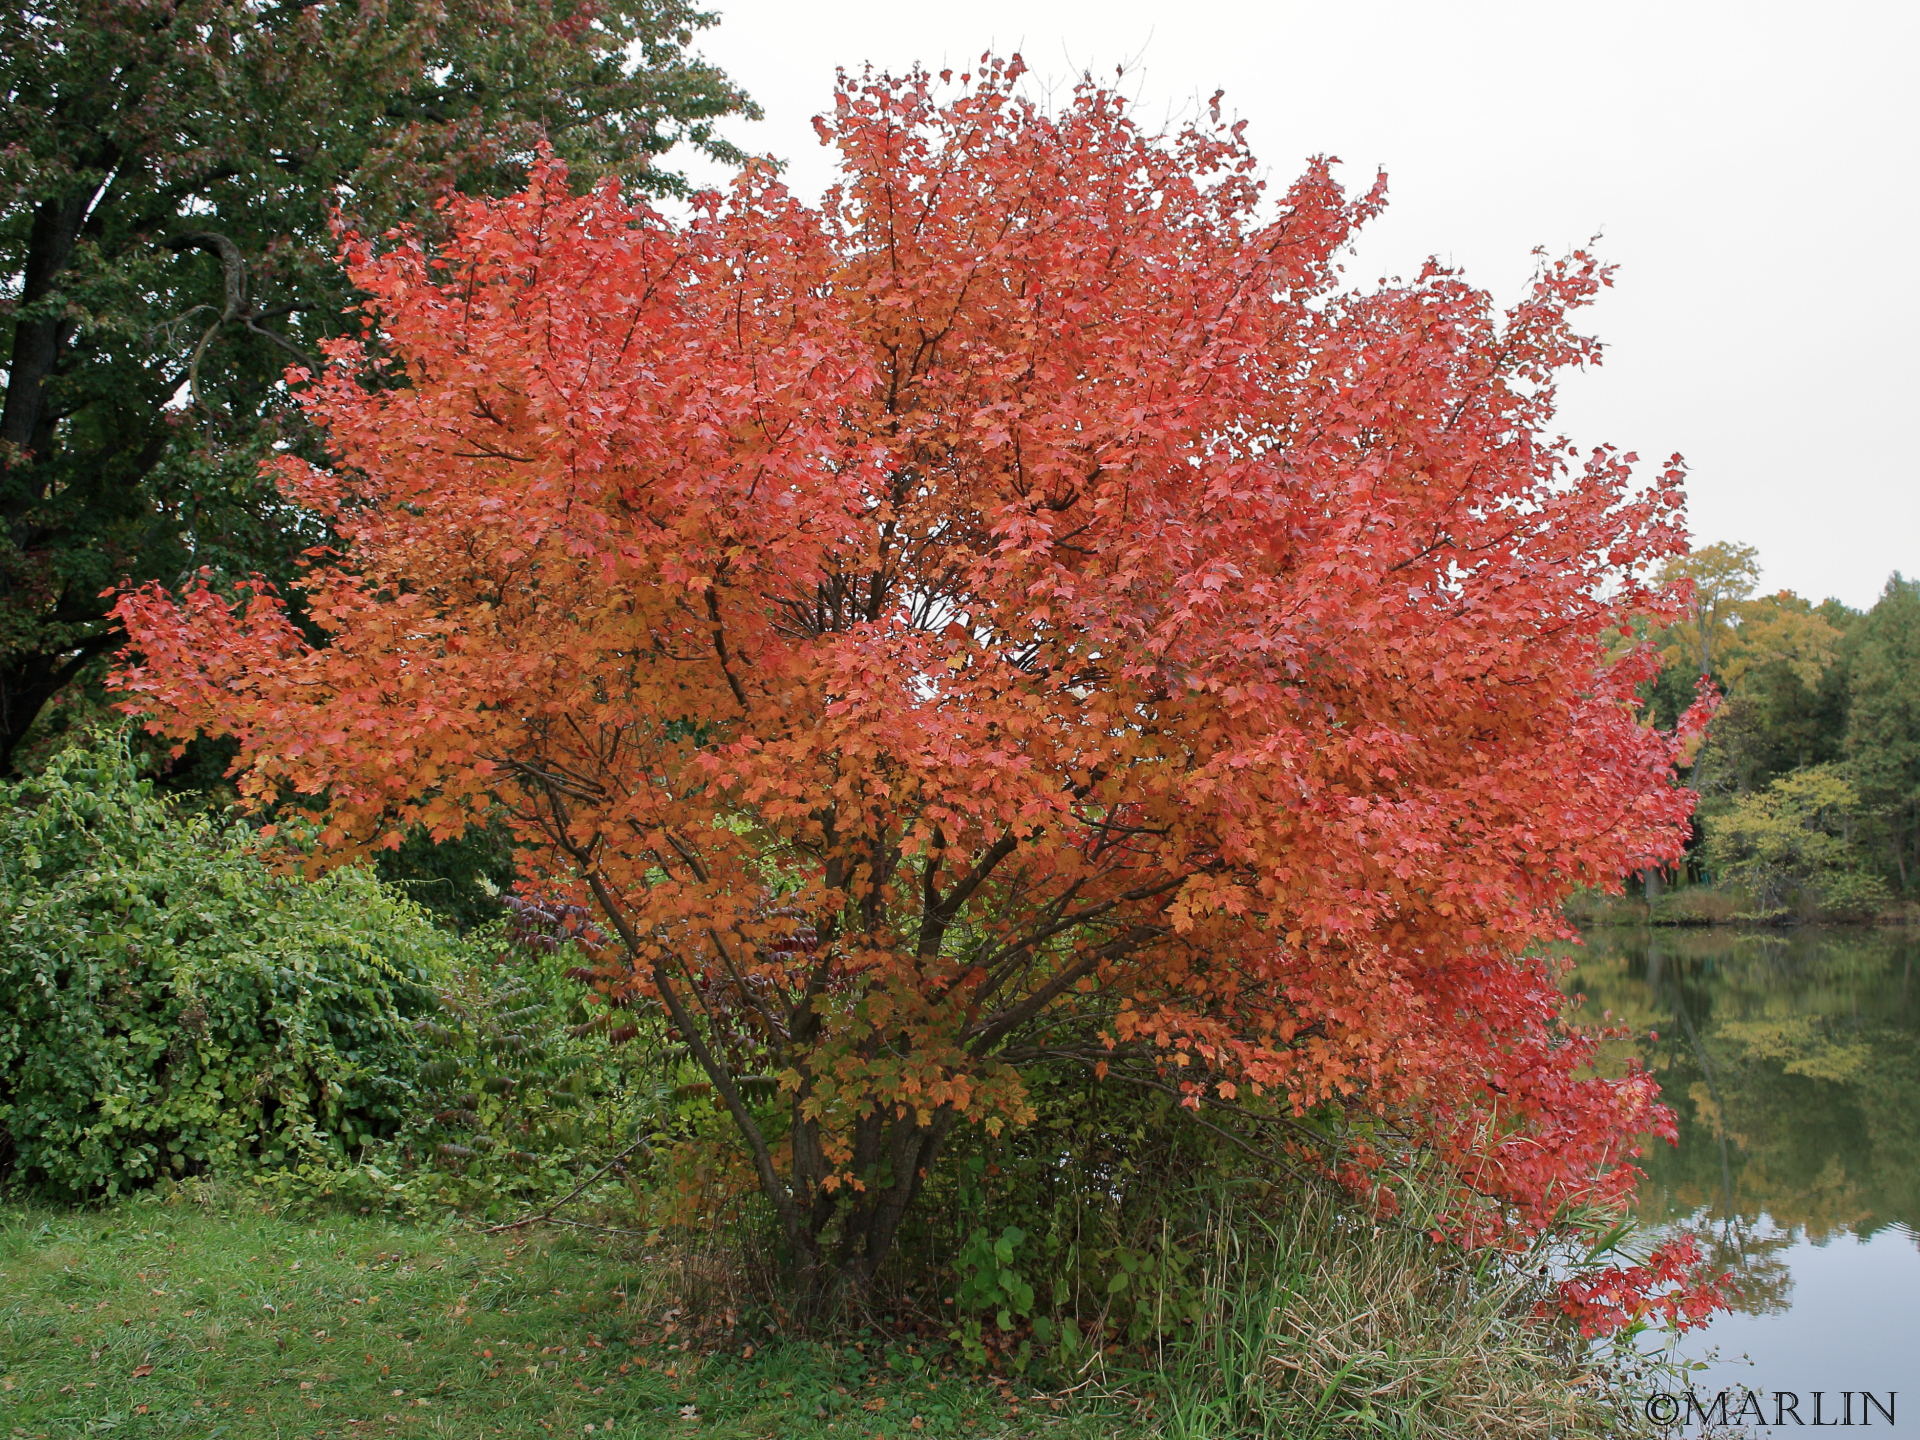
1320, 1325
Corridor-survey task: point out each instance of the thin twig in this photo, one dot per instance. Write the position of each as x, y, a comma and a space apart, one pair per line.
582, 1225
640, 1143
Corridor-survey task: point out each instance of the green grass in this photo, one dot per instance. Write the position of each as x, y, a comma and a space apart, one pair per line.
159, 1321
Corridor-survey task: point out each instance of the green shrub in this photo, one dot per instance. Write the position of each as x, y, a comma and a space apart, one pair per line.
1794, 842
171, 1006
526, 1088
1081, 1230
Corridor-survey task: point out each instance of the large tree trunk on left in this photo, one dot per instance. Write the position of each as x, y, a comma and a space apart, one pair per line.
27, 682
26, 423
839, 1258
36, 671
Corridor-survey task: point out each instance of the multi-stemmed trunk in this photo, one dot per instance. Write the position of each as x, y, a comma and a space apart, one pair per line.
839, 1239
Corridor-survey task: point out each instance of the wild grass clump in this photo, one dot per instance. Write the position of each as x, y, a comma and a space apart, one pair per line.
1319, 1324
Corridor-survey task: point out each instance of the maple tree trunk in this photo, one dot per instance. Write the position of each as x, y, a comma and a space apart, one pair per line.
838, 1237
845, 1236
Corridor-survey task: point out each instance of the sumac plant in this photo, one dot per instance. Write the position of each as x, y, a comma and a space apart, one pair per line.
1025, 609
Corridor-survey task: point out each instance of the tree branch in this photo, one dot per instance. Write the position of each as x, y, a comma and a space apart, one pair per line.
938, 910
234, 305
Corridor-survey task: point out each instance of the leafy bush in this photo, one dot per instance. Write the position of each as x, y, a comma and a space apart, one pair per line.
1083, 1229
1794, 841
170, 1006
522, 1094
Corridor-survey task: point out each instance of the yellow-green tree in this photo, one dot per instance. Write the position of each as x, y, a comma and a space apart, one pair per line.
1796, 840
1783, 672
1723, 576
1781, 629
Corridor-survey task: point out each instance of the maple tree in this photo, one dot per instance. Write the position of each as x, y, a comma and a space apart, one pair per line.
1024, 610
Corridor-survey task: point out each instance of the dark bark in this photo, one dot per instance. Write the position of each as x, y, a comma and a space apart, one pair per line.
27, 682
835, 1269
26, 424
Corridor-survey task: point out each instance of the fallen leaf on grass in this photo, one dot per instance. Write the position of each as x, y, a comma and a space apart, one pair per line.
140, 1372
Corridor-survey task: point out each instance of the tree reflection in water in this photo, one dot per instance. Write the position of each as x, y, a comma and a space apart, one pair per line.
1792, 1061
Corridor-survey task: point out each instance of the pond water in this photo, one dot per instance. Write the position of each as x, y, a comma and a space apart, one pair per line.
1792, 1060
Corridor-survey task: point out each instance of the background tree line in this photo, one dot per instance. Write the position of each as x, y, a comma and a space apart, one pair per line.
1809, 776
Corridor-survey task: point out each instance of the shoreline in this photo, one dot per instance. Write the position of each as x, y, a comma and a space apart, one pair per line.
1703, 907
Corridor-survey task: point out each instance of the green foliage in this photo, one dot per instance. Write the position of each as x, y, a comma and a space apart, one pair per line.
991, 1284
1084, 1230
170, 1006
460, 880
1883, 723
1795, 839
521, 1096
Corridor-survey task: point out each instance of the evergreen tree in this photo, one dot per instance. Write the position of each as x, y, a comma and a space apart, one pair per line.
1883, 723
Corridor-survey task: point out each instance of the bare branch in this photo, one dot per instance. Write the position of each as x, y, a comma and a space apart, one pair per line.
234, 305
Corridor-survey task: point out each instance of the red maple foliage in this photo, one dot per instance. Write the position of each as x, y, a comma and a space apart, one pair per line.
1673, 1288
1024, 609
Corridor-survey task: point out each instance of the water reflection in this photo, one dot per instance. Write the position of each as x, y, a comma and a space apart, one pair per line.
1792, 1061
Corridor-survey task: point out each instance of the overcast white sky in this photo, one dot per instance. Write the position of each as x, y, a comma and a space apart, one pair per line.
1754, 168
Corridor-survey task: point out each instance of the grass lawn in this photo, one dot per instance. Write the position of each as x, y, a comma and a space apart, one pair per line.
180, 1321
